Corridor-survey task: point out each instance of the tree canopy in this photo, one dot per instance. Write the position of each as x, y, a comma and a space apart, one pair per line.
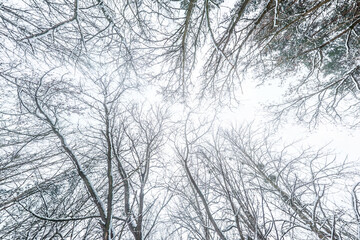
83, 156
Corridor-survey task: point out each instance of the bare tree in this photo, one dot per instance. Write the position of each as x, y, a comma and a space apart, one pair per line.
93, 172
313, 43
80, 159
239, 185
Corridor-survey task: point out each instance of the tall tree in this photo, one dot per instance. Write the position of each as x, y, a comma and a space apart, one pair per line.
237, 186
79, 158
82, 157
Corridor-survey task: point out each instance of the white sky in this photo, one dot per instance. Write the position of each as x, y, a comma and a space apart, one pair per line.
338, 139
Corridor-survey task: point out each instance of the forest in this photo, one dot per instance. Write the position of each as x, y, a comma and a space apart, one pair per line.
179, 119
